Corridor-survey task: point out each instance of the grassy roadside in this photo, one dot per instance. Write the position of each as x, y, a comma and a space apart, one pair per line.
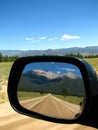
4, 74
93, 62
5, 70
31, 95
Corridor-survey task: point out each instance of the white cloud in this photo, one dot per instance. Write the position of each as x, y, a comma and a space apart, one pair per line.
58, 72
42, 38
35, 41
70, 70
52, 62
29, 38
62, 68
63, 37
68, 37
54, 38
50, 39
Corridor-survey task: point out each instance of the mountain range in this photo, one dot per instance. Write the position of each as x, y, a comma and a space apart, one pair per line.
48, 82
62, 51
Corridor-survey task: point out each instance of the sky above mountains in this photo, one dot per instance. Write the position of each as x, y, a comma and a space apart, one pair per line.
48, 24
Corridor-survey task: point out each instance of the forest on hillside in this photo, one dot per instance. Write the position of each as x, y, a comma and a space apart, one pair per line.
7, 58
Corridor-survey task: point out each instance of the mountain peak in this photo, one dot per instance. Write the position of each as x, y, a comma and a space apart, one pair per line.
45, 73
71, 75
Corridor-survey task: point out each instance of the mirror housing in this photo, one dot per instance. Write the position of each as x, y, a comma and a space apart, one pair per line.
90, 83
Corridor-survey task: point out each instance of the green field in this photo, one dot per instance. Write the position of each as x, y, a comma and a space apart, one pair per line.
31, 95
5, 70
4, 74
93, 62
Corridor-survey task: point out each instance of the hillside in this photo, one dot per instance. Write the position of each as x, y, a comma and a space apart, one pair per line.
82, 50
46, 81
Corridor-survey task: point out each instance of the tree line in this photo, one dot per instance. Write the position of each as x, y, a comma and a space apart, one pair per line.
78, 55
7, 58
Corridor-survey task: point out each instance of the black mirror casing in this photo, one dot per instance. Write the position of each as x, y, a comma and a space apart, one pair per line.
89, 115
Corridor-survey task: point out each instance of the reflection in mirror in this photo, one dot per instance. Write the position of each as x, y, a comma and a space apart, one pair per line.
53, 89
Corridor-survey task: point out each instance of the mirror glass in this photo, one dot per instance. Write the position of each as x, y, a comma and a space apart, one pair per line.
53, 89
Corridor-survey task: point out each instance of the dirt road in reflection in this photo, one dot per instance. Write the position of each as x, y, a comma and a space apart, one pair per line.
52, 106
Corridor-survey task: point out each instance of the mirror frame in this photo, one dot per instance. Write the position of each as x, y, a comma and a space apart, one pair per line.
87, 73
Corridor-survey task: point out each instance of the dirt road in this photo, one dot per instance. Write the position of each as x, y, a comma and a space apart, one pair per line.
60, 108
10, 120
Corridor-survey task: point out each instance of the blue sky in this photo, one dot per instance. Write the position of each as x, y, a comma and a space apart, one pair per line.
48, 24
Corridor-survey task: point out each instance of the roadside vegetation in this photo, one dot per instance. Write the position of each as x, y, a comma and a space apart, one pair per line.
29, 95
4, 70
93, 62
4, 74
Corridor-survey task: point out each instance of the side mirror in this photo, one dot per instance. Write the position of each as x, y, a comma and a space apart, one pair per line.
52, 88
